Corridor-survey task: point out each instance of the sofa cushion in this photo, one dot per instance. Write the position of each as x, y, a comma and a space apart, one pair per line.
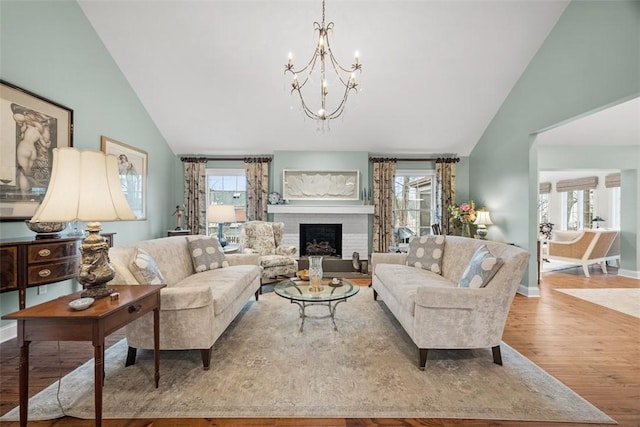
145, 270
226, 284
426, 252
207, 254
482, 266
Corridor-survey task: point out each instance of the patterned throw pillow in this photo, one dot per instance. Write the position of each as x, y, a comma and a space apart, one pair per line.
207, 254
426, 252
481, 269
145, 269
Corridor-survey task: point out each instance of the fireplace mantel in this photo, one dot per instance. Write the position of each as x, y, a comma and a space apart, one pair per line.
321, 209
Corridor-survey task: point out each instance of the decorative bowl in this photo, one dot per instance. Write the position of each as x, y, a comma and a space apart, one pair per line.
303, 275
46, 227
81, 303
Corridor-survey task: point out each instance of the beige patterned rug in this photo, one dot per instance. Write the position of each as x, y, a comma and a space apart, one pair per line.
262, 367
624, 300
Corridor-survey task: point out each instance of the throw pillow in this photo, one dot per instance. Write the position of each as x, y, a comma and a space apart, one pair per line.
426, 252
145, 269
207, 254
482, 266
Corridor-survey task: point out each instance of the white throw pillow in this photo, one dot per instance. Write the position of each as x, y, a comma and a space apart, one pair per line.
145, 269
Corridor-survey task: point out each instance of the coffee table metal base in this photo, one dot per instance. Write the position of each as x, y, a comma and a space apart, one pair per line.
332, 311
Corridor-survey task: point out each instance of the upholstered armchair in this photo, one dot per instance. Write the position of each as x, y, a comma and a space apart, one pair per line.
265, 239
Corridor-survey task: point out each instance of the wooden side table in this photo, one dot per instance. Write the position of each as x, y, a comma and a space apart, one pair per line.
56, 321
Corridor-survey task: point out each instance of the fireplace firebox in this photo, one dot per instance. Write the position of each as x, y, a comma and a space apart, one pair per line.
321, 239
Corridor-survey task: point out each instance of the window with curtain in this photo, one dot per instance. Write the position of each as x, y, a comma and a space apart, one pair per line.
228, 187
414, 204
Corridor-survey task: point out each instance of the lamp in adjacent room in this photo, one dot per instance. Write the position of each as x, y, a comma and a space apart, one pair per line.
220, 214
482, 220
85, 186
598, 220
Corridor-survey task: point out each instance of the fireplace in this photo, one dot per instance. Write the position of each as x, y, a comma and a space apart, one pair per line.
321, 239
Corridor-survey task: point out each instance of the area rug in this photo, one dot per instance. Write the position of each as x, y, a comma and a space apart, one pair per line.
624, 300
263, 367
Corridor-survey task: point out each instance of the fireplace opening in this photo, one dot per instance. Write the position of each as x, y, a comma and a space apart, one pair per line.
321, 239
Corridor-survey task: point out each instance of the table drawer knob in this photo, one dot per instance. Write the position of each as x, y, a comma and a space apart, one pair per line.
44, 272
135, 308
44, 252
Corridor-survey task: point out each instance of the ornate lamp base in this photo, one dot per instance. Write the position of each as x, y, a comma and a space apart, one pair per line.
95, 270
482, 232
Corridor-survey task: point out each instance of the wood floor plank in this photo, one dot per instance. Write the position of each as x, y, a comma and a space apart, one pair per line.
592, 349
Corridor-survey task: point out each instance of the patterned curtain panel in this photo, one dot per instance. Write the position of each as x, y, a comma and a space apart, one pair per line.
257, 172
384, 171
446, 191
195, 188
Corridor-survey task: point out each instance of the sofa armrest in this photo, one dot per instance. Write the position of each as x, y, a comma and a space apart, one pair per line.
387, 258
243, 259
286, 250
182, 298
460, 298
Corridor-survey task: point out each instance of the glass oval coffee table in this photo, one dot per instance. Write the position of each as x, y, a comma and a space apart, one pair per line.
328, 294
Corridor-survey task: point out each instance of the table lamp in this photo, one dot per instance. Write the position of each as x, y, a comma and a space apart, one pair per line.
482, 220
221, 214
85, 186
598, 220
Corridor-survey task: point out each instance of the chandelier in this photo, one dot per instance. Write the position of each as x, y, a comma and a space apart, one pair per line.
323, 58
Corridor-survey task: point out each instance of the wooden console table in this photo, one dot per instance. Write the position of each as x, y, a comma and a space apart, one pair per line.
32, 261
55, 321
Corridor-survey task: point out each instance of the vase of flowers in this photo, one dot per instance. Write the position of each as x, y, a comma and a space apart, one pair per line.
464, 215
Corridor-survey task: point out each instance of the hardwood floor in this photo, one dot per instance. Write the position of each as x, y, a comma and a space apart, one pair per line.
592, 349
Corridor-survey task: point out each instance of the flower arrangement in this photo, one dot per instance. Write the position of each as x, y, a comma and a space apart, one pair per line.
465, 213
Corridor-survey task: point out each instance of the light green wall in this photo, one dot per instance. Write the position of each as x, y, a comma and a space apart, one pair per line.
590, 59
49, 48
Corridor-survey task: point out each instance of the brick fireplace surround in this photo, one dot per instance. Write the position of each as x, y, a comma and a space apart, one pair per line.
354, 220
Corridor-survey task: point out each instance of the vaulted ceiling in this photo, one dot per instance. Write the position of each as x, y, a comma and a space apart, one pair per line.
211, 73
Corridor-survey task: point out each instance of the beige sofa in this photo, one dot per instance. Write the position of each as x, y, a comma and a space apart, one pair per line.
195, 307
435, 311
584, 247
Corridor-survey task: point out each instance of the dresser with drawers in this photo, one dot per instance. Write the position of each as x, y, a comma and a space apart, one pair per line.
31, 261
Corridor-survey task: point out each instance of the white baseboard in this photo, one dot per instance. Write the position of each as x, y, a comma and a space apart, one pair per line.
531, 292
629, 273
8, 332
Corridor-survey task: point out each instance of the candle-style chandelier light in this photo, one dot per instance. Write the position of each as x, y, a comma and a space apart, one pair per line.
323, 57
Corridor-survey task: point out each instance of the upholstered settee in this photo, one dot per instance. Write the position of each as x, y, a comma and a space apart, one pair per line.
584, 247
205, 290
450, 292
265, 239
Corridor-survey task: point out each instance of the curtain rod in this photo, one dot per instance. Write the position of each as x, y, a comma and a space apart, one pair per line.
248, 159
416, 159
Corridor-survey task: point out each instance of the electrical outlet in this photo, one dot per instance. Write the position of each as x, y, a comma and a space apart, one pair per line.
42, 290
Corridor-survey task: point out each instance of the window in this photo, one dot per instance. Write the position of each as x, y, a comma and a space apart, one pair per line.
615, 207
413, 205
577, 209
543, 207
228, 187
